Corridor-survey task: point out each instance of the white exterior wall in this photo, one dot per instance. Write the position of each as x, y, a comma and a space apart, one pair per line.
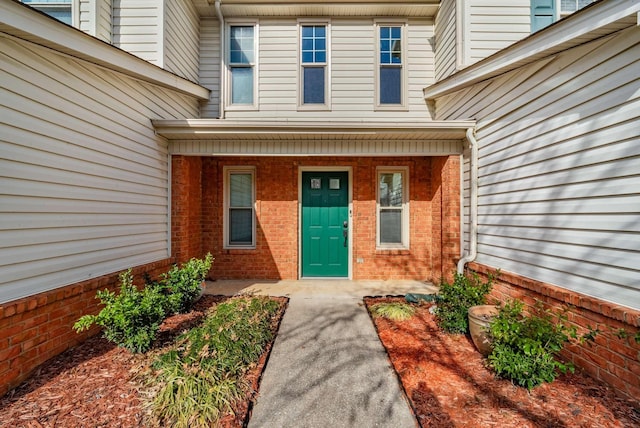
95, 18
559, 194
138, 28
446, 40
210, 65
182, 38
351, 74
491, 25
83, 176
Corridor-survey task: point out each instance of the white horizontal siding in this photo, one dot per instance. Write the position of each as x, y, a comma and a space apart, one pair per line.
137, 28
492, 25
209, 72
445, 40
352, 72
182, 39
559, 189
83, 177
95, 18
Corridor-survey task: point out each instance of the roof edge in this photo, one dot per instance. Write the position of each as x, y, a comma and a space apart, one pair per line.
529, 49
23, 22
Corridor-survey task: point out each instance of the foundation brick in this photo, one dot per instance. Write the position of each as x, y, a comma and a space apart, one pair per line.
611, 359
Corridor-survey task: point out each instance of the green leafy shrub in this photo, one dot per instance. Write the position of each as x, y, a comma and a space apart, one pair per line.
397, 311
198, 380
455, 299
130, 319
183, 284
526, 347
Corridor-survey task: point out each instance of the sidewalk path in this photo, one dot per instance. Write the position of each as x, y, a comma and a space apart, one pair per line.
328, 369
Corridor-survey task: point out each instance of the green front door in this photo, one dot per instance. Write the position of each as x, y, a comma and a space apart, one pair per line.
325, 223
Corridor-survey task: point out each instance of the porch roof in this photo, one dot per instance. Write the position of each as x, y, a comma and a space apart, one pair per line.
232, 137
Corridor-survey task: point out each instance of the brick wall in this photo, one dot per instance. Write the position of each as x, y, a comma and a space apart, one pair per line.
39, 327
434, 210
610, 359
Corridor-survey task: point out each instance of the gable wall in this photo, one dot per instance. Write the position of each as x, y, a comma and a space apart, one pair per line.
84, 178
137, 28
559, 184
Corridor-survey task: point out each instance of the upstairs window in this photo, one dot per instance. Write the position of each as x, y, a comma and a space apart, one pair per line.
242, 64
62, 10
314, 60
391, 66
567, 7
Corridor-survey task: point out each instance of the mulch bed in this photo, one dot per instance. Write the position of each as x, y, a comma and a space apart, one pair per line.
95, 383
448, 384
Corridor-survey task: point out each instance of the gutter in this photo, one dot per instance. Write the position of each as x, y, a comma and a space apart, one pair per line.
223, 92
468, 257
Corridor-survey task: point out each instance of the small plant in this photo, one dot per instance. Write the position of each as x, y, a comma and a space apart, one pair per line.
396, 311
184, 284
130, 319
197, 381
454, 300
526, 347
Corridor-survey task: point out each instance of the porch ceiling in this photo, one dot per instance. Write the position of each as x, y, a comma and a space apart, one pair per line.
227, 137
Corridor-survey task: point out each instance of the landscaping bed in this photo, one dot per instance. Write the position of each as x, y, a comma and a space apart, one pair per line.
449, 385
97, 384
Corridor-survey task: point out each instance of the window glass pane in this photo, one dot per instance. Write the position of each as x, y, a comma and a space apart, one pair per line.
391, 226
390, 45
241, 190
314, 44
241, 226
390, 192
241, 44
313, 85
241, 85
390, 85
568, 5
59, 9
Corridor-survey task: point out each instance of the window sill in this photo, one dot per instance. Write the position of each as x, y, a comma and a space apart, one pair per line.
314, 107
401, 251
390, 107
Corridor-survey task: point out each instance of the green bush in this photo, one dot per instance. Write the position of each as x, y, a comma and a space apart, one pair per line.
183, 284
130, 319
198, 380
526, 347
397, 311
454, 300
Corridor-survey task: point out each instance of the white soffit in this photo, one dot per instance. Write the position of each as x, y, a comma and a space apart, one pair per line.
595, 21
225, 137
21, 21
335, 8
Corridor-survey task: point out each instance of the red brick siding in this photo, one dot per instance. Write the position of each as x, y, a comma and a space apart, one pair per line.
186, 206
611, 359
432, 206
39, 327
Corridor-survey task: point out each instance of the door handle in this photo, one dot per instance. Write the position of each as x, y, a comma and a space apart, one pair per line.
345, 231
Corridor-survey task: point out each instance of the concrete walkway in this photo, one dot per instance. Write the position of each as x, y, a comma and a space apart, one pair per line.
327, 367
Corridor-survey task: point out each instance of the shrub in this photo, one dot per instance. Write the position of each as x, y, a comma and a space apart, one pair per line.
526, 347
183, 284
197, 381
397, 311
130, 319
455, 299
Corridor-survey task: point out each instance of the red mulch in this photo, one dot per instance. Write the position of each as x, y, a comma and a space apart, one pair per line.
94, 384
448, 384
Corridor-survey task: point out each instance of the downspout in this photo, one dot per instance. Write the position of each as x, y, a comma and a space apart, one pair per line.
473, 203
223, 85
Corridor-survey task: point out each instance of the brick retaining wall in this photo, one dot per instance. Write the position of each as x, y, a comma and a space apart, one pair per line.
610, 359
39, 327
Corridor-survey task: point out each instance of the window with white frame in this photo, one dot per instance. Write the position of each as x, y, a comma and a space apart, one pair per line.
393, 208
62, 10
239, 202
313, 64
390, 65
567, 7
242, 65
